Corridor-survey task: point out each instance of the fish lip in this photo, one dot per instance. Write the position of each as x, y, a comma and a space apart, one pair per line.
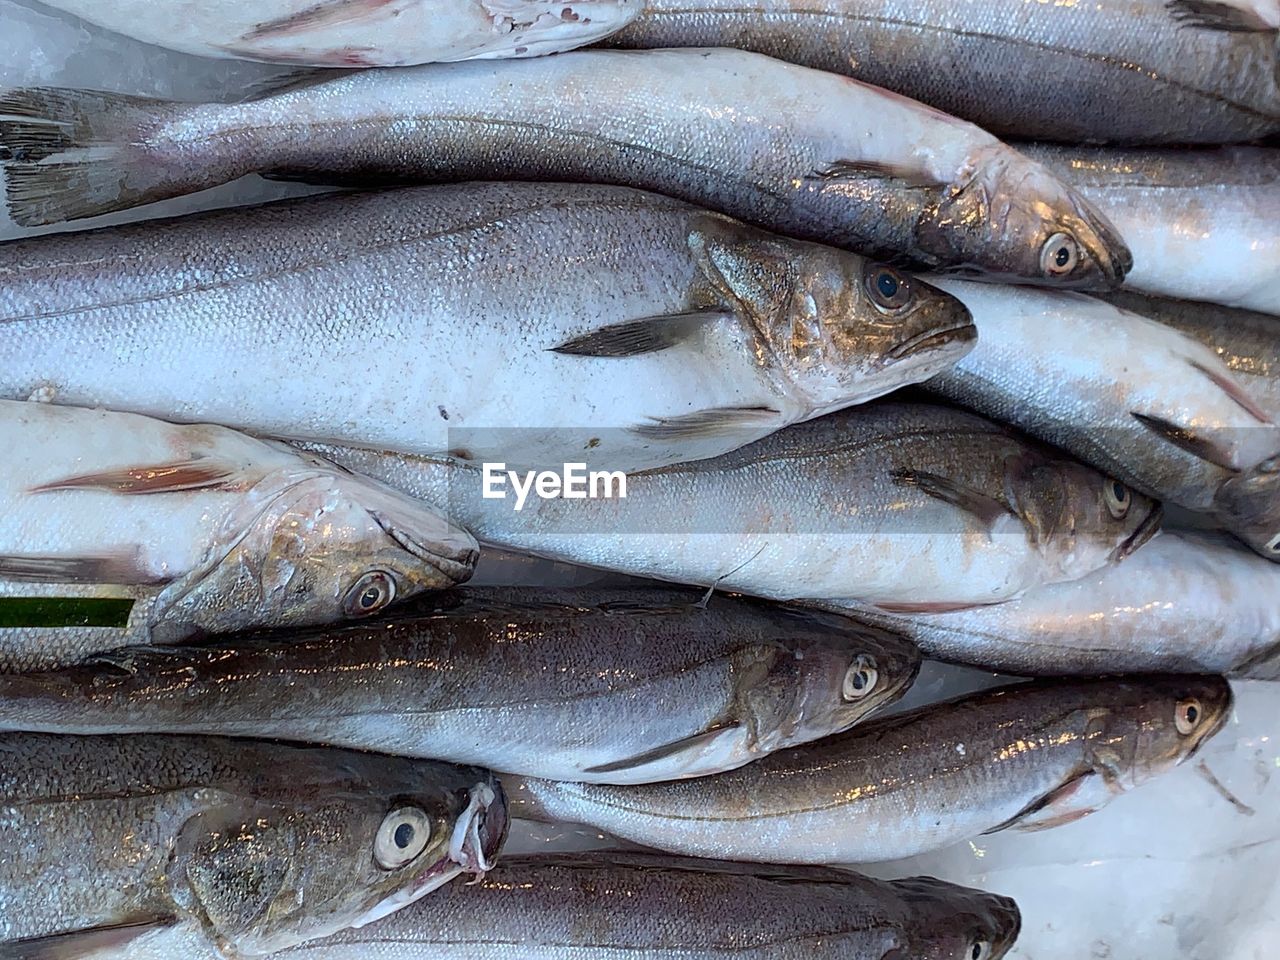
1147, 529
958, 332
426, 882
1108, 248
479, 833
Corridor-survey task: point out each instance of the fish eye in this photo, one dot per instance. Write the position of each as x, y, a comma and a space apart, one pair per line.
371, 593
1059, 256
404, 834
1271, 465
1273, 546
979, 950
1187, 715
860, 679
1118, 499
888, 290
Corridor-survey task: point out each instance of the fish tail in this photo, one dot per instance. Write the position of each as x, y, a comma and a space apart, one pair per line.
71, 154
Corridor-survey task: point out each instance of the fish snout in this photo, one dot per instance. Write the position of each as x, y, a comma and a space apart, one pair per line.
1102, 242
1146, 529
1248, 505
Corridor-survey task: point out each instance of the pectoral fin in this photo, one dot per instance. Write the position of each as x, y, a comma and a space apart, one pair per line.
326, 13
986, 508
1223, 380
925, 607
708, 424
637, 337
1074, 800
689, 748
200, 474
92, 942
118, 569
1209, 15
870, 170
1187, 440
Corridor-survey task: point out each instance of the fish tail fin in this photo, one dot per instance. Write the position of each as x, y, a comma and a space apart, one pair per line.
72, 154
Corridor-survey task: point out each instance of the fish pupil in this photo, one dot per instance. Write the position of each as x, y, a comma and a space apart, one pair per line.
1061, 258
404, 835
887, 284
859, 680
369, 597
1192, 714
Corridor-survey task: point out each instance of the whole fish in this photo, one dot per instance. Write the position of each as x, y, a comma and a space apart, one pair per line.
171, 531
907, 506
1201, 224
607, 685
805, 153
1028, 756
668, 909
1185, 603
1247, 343
359, 33
1198, 77
526, 322
253, 847
1144, 402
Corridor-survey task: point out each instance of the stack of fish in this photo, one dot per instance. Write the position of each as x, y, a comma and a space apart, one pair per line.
249, 710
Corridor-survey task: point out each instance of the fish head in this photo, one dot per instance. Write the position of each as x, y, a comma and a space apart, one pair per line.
1014, 220
315, 548
1152, 724
950, 922
334, 841
1248, 504
848, 672
837, 328
1081, 516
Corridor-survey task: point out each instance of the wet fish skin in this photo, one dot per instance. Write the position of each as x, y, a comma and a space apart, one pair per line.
580, 671
260, 846
727, 333
1027, 756
1196, 85
805, 153
905, 505
209, 530
669, 909
359, 33
1187, 602
1144, 402
1200, 223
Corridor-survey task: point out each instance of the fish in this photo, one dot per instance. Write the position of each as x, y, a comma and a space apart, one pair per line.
359, 33
1248, 343
669, 908
1028, 756
1202, 70
792, 150
521, 323
1147, 404
251, 847
608, 685
1200, 223
120, 529
1187, 602
909, 506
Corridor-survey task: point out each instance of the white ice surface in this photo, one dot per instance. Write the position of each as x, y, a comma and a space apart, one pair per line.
1172, 870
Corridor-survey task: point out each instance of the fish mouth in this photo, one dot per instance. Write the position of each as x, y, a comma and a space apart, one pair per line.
1104, 243
1147, 529
961, 332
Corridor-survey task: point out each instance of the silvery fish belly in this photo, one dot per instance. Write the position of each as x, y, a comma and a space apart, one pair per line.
506, 321
606, 685
1027, 757
1201, 224
117, 529
1185, 603
907, 506
251, 847
1201, 70
808, 154
359, 33
1150, 405
666, 908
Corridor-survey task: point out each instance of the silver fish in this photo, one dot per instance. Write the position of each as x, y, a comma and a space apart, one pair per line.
520, 322
360, 33
1147, 404
607, 685
906, 506
119, 529
588, 907
1201, 70
1027, 757
254, 846
1185, 603
1201, 223
809, 154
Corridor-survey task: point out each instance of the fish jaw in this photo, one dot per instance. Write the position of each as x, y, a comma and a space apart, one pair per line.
1248, 504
